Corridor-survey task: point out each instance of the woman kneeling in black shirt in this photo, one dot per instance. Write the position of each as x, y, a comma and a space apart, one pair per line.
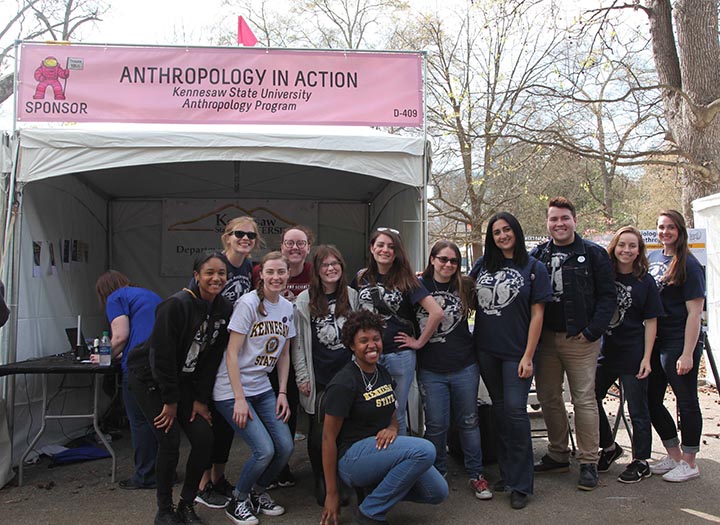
360, 441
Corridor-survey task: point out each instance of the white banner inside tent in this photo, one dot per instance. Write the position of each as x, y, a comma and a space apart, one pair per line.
193, 226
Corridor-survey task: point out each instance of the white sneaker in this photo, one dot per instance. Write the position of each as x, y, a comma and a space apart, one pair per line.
666, 464
683, 472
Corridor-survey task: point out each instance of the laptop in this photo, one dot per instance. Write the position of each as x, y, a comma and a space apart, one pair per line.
72, 337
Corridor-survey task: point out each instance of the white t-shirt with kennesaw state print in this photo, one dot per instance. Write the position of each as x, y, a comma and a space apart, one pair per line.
265, 338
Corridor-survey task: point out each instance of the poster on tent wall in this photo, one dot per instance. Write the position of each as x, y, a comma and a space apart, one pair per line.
193, 226
85, 83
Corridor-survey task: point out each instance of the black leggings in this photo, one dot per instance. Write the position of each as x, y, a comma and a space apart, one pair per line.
199, 433
223, 435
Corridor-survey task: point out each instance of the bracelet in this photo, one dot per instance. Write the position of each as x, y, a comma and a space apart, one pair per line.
282, 393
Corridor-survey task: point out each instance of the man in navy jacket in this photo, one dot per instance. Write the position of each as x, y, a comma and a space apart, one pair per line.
583, 304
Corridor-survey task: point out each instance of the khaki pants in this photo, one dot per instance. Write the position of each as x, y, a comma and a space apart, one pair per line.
556, 356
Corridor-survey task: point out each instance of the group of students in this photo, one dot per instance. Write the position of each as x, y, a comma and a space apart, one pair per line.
231, 354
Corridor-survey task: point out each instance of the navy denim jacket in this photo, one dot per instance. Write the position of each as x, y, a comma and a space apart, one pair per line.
589, 295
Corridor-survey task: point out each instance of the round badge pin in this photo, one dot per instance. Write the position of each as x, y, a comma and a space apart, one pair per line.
581, 258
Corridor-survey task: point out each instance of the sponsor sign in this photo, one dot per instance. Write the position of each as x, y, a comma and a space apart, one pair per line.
84, 83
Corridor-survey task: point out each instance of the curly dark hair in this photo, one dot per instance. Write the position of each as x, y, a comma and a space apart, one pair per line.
360, 320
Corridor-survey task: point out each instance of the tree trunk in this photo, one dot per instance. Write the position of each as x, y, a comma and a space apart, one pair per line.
691, 70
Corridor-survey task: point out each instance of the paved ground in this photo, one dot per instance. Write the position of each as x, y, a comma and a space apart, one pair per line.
83, 493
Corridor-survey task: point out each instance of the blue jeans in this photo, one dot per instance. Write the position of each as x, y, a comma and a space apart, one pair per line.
401, 472
452, 393
142, 438
401, 366
635, 391
267, 436
663, 361
509, 395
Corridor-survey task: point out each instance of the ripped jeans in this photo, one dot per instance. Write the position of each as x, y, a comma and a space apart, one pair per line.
452, 393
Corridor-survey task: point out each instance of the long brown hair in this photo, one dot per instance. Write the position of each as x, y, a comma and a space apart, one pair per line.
676, 273
260, 289
318, 300
640, 264
457, 282
107, 283
401, 275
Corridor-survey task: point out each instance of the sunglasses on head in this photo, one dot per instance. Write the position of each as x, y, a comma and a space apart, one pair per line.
391, 230
445, 260
239, 234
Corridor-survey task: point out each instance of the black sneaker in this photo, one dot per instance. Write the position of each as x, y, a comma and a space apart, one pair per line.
129, 484
548, 465
241, 512
518, 500
263, 503
186, 512
224, 487
286, 479
608, 457
362, 519
166, 516
588, 476
636, 471
211, 498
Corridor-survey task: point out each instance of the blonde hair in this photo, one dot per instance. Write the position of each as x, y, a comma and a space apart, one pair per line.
232, 224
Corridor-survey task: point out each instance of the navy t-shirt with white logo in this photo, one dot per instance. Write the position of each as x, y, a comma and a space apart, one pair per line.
450, 348
504, 300
329, 353
624, 342
672, 326
401, 304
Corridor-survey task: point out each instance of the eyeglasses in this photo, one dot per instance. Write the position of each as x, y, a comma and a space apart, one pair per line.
239, 234
289, 243
445, 260
334, 264
391, 230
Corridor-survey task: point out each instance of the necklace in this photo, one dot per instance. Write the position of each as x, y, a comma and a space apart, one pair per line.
369, 383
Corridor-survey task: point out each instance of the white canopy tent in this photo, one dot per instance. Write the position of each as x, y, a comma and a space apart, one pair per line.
706, 212
107, 184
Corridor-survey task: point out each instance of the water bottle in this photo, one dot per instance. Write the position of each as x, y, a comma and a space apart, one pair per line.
105, 350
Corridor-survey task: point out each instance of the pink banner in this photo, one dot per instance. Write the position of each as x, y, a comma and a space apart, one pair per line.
83, 83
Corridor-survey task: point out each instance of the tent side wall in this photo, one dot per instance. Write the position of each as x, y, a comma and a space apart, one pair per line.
50, 301
707, 215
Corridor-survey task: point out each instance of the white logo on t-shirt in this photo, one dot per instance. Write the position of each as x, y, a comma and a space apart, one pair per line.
657, 270
328, 328
497, 290
624, 302
452, 315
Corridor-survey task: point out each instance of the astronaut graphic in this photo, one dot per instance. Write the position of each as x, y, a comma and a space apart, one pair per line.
556, 262
48, 74
497, 290
452, 315
204, 337
328, 329
656, 271
196, 347
624, 302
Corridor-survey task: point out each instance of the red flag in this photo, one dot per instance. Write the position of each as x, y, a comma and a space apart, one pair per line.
245, 34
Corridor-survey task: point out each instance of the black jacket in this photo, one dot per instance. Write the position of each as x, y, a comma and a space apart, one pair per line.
165, 360
589, 295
